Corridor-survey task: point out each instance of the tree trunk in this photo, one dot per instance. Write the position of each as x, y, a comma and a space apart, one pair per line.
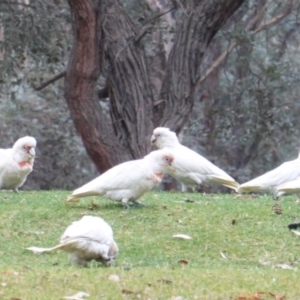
131, 99
200, 22
81, 79
106, 42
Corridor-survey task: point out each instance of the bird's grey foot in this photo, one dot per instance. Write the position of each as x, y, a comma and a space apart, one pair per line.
16, 190
125, 203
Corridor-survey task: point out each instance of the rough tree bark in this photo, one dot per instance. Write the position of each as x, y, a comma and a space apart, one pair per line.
81, 79
107, 43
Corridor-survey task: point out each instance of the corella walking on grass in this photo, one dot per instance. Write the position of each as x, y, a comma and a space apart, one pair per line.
128, 181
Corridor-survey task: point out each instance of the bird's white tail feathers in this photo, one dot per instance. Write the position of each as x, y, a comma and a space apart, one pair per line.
227, 182
77, 195
42, 250
59, 246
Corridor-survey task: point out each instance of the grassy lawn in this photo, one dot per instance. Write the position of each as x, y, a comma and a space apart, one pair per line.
239, 247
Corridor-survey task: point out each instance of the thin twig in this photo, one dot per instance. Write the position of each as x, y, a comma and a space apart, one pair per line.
142, 32
222, 57
51, 80
157, 15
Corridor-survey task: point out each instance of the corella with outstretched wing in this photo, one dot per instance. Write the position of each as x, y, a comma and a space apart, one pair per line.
16, 163
190, 168
269, 181
90, 238
127, 181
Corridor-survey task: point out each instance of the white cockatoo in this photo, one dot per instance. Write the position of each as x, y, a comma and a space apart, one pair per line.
290, 187
16, 163
189, 167
90, 238
127, 181
269, 181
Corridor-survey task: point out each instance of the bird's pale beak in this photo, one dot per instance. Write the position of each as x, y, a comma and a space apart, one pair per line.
31, 151
153, 139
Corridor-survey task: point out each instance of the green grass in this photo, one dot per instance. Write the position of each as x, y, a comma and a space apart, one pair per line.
148, 260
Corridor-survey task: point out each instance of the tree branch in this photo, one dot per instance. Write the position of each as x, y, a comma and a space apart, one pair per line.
249, 26
150, 20
51, 80
157, 15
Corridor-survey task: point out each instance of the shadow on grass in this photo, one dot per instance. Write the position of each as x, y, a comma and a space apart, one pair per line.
104, 205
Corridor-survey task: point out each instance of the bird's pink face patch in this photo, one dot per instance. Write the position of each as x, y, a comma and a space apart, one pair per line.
24, 164
159, 176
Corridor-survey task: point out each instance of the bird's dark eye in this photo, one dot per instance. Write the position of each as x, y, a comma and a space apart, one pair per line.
24, 148
158, 135
166, 159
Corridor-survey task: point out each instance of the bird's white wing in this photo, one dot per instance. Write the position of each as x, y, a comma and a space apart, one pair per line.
5, 158
288, 171
190, 164
5, 162
190, 161
120, 177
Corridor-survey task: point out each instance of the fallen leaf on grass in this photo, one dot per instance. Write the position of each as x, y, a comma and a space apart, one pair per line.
255, 296
10, 272
13, 298
277, 297
233, 222
114, 277
277, 209
223, 255
78, 296
183, 261
182, 236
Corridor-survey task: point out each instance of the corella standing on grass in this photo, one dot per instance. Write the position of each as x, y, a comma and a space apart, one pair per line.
128, 181
90, 238
190, 168
16, 163
269, 181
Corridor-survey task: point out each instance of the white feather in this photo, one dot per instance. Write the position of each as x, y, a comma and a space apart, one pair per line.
291, 187
269, 181
16, 163
87, 239
190, 168
127, 181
